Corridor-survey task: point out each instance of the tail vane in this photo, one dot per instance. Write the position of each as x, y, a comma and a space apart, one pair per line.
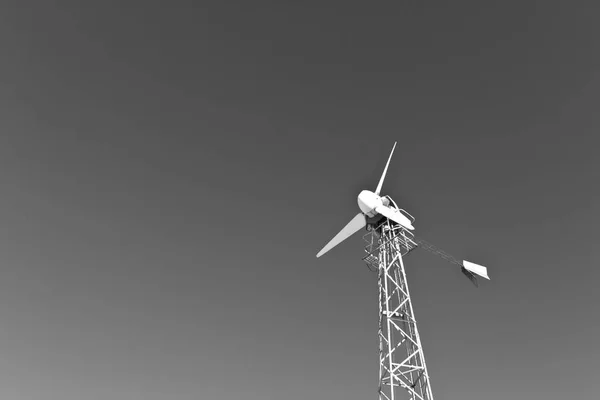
476, 269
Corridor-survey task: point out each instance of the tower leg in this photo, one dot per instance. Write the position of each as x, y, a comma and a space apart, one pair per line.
402, 367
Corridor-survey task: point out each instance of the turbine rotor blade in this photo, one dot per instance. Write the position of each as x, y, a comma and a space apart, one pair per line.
358, 222
380, 184
395, 216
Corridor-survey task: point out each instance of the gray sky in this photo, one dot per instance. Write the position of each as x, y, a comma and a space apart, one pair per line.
169, 173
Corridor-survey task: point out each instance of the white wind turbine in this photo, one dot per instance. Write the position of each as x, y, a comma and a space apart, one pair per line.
402, 362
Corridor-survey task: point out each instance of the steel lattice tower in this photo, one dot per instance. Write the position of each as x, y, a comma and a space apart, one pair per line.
402, 365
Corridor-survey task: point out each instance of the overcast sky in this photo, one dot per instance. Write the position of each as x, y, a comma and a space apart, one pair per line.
170, 169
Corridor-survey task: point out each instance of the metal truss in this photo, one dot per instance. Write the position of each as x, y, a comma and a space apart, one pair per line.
402, 367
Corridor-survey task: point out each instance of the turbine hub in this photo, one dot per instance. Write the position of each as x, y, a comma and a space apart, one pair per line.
367, 201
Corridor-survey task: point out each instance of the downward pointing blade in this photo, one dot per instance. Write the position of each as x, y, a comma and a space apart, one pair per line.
395, 216
380, 184
358, 222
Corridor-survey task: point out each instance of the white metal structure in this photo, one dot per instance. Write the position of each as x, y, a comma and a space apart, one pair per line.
402, 365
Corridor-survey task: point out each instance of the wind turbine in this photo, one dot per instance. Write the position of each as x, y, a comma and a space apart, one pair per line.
389, 239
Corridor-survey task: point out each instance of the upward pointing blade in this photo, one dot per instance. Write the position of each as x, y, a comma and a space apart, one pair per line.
378, 190
358, 222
